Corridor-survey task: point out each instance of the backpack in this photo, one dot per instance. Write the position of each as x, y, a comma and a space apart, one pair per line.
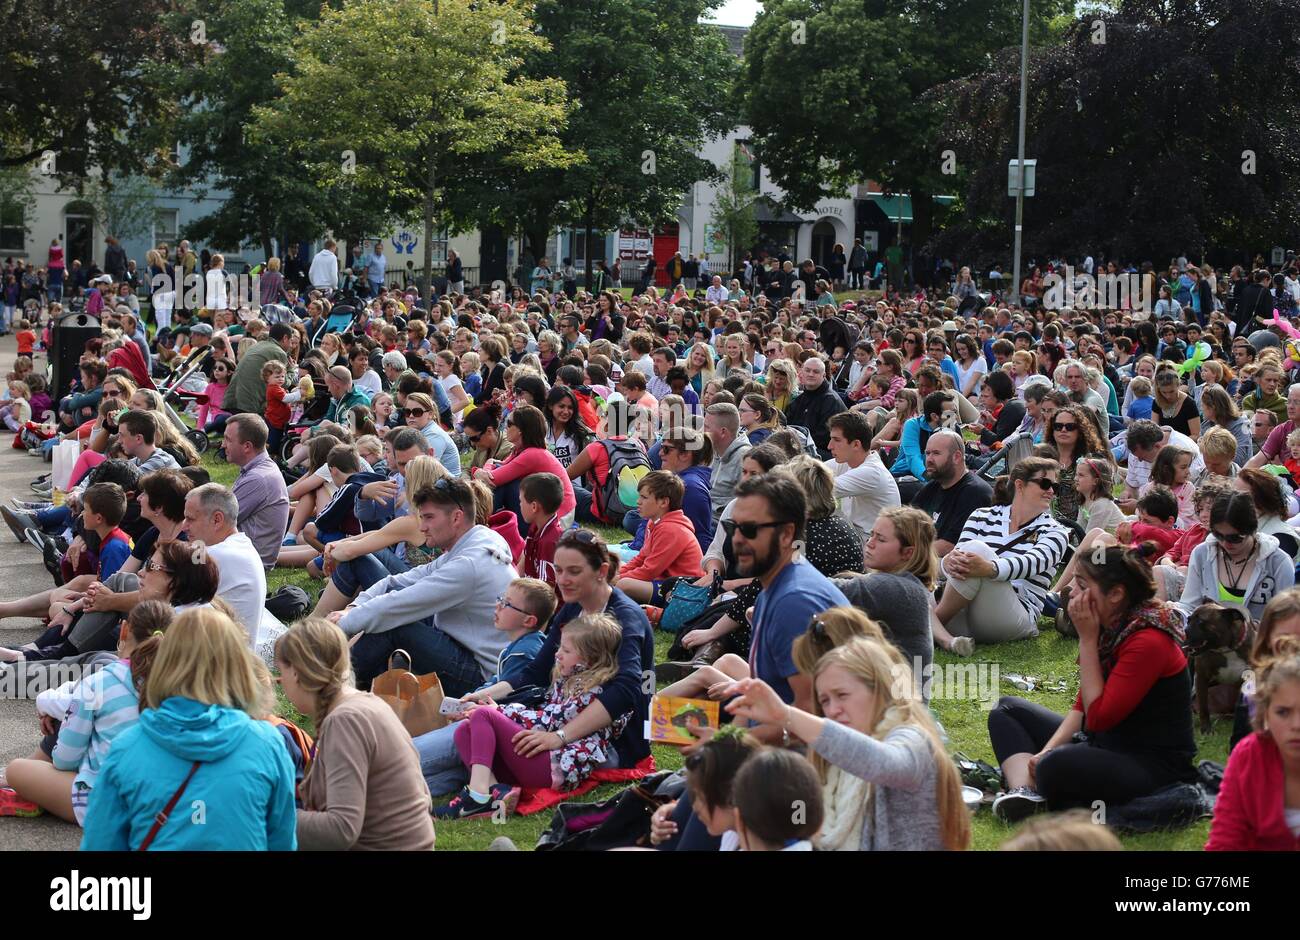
288, 604
628, 465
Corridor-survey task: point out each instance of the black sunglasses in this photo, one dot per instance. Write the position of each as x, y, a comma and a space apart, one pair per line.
585, 536
1044, 484
1236, 538
444, 485
748, 529
474, 438
1066, 427
414, 412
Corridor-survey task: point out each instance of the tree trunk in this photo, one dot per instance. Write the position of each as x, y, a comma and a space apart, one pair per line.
587, 260
426, 292
264, 233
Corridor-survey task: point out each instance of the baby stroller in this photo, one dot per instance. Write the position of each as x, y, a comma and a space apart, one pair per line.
1014, 449
340, 320
173, 393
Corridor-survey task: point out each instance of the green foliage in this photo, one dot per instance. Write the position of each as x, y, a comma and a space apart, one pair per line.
649, 84
85, 82
123, 206
1151, 127
390, 99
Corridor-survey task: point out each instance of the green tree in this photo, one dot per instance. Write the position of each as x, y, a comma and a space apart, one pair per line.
17, 196
1173, 135
835, 90
652, 84
733, 207
396, 96
83, 85
246, 43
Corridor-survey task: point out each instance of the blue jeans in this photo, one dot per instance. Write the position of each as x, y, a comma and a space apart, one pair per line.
583, 512
440, 762
430, 649
54, 519
506, 496
634, 525
353, 577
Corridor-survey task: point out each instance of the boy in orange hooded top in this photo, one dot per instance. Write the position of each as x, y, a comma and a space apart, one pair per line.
671, 549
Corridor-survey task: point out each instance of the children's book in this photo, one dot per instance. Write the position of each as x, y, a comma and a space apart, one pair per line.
672, 718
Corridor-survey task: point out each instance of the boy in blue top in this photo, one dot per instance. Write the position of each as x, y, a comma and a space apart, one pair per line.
1140, 408
103, 507
526, 606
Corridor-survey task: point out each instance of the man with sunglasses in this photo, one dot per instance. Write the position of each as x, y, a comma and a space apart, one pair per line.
766, 529
440, 613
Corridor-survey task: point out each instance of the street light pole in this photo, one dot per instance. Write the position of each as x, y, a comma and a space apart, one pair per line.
1020, 152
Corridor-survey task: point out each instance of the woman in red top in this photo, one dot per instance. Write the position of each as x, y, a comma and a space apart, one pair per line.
1132, 707
1258, 809
620, 421
526, 432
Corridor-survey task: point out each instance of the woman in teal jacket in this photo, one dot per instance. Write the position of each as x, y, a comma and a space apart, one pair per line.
202, 701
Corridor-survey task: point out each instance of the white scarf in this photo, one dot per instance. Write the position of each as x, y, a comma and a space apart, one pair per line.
847, 800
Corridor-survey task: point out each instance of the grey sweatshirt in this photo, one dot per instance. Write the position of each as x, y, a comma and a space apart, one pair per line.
901, 605
458, 589
905, 812
1274, 572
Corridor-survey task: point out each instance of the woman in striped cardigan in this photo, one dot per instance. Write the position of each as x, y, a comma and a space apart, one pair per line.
1002, 566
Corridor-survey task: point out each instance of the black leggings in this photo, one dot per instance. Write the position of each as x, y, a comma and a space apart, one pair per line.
1072, 774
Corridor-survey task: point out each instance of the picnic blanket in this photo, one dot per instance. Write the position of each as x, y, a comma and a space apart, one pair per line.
534, 801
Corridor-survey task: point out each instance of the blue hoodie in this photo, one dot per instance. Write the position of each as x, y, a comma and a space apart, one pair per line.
241, 798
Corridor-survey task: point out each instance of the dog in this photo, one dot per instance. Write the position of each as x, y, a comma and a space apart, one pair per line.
1218, 651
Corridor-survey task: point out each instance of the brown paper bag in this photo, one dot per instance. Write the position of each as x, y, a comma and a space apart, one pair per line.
415, 699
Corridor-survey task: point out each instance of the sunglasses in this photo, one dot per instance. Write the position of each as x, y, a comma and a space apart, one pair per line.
1044, 484
154, 566
112, 393
585, 536
748, 529
474, 438
1066, 427
1236, 538
414, 412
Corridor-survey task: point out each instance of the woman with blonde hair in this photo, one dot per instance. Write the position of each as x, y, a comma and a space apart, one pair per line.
364, 789
888, 782
699, 366
898, 588
906, 407
355, 563
782, 382
198, 743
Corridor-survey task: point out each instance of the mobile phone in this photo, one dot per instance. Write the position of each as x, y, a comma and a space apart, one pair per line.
451, 706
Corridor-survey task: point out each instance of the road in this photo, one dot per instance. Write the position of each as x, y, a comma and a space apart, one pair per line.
21, 574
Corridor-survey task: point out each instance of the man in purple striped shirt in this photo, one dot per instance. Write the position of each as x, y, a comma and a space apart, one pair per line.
259, 489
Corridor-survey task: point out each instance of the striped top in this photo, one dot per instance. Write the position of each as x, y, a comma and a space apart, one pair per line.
104, 704
1031, 563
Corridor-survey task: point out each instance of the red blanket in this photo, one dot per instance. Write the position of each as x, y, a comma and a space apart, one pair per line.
534, 801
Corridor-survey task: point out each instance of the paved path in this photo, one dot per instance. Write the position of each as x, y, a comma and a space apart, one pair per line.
21, 574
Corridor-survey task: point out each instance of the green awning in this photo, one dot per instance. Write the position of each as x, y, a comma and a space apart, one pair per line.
898, 208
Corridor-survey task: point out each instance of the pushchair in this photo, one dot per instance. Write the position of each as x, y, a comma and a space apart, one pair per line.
173, 392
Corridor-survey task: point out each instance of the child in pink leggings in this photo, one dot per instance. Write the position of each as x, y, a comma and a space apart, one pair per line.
587, 658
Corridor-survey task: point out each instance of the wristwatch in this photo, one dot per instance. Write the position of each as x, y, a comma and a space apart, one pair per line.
559, 733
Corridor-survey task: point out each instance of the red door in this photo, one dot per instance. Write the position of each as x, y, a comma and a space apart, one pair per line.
665, 246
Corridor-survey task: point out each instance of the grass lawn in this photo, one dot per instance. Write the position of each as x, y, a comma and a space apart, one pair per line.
1048, 657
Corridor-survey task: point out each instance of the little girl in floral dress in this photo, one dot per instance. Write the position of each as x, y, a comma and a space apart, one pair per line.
587, 658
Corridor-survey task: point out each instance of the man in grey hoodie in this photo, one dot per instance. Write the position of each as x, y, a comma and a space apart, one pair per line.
441, 613
722, 425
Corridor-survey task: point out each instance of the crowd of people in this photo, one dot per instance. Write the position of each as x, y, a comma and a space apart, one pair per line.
856, 484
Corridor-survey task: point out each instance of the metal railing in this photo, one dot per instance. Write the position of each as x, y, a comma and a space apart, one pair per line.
404, 277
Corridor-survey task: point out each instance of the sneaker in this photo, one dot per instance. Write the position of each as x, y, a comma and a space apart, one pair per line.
30, 505
506, 796
289, 539
1017, 804
463, 806
45, 493
962, 646
11, 804
51, 554
42, 480
19, 522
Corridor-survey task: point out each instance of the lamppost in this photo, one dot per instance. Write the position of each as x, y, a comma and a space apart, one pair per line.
1020, 150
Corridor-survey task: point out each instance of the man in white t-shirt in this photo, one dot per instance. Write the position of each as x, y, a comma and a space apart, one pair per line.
863, 484
210, 514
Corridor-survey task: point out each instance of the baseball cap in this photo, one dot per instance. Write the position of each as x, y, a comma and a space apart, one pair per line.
201, 329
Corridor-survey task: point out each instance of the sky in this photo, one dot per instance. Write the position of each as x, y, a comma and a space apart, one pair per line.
736, 12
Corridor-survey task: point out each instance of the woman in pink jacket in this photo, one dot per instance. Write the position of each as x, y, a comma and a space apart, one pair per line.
1258, 808
526, 432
